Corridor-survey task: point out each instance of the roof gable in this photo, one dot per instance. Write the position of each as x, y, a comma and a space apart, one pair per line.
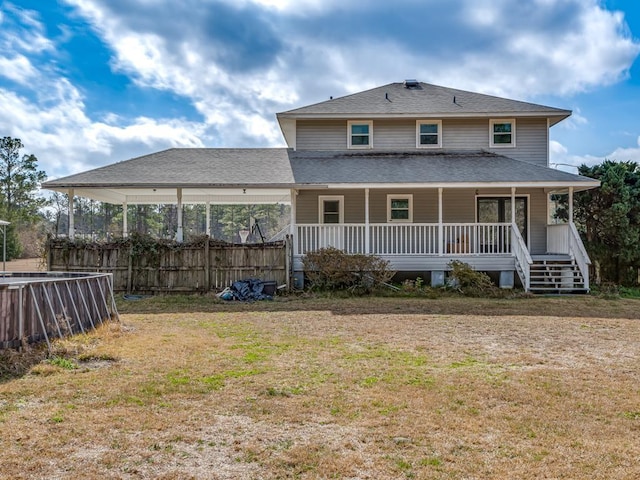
395, 99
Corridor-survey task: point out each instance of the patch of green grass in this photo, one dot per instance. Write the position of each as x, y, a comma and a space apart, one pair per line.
62, 363
632, 415
393, 357
126, 400
218, 381
430, 462
103, 357
467, 362
284, 391
57, 418
419, 379
385, 408
178, 377
369, 381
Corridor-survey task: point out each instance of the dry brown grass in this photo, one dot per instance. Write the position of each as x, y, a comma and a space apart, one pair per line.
360, 389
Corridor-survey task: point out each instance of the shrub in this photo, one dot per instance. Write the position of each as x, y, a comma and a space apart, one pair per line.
332, 269
469, 281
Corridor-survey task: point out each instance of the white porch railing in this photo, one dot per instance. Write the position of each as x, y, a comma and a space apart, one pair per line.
477, 238
345, 236
407, 239
579, 254
565, 240
523, 258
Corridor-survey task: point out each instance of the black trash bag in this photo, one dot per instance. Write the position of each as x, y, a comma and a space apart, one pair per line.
249, 290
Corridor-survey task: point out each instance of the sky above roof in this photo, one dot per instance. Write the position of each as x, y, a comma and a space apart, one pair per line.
85, 83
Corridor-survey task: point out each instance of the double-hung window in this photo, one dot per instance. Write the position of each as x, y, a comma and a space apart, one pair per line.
360, 134
399, 208
428, 134
502, 133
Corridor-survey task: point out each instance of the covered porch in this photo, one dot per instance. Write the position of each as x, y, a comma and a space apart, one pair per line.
503, 246
419, 211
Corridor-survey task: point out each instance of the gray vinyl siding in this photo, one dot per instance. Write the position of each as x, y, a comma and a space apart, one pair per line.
458, 206
465, 134
321, 135
457, 135
531, 141
537, 222
307, 205
394, 134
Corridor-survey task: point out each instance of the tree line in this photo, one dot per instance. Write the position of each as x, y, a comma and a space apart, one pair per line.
608, 218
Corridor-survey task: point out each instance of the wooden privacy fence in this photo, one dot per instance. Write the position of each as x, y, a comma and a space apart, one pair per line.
37, 307
142, 265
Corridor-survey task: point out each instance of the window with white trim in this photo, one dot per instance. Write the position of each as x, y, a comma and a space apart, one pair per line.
502, 133
331, 208
428, 134
360, 134
399, 208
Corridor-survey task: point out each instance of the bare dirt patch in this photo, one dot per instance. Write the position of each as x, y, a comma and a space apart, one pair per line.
313, 393
26, 265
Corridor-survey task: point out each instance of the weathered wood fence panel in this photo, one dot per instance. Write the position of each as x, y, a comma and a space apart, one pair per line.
37, 307
163, 266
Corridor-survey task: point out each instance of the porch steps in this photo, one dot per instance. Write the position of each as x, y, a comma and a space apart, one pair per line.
557, 274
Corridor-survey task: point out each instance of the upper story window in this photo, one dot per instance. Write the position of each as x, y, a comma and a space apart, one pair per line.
429, 134
400, 208
502, 133
360, 134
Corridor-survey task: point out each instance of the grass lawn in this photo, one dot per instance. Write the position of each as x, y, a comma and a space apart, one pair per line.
366, 388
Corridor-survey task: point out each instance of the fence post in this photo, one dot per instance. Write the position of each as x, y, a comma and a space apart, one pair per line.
287, 259
207, 266
130, 270
49, 252
20, 316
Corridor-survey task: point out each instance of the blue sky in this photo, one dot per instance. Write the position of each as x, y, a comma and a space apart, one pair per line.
85, 83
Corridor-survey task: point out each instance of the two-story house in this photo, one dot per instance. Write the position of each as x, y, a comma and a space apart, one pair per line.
415, 173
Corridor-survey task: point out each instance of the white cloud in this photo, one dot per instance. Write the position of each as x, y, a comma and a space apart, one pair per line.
564, 160
19, 69
21, 30
279, 54
65, 140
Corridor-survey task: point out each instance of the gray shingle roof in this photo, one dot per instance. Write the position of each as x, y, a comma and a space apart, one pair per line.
280, 167
190, 167
396, 99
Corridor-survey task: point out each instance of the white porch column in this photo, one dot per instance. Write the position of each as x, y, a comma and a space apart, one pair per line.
180, 232
366, 221
72, 226
208, 221
440, 224
570, 205
294, 200
125, 223
513, 205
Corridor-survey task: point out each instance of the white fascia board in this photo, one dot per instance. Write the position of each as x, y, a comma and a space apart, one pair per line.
549, 185
555, 116
288, 128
